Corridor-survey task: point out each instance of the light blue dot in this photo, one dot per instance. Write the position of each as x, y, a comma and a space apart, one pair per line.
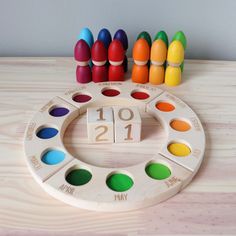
53, 157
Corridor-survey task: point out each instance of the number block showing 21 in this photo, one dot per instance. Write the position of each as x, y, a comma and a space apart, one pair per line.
127, 124
100, 125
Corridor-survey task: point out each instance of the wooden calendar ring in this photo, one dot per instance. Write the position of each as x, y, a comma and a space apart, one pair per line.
147, 183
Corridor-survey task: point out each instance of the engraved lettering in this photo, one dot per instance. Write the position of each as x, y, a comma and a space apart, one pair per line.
35, 163
44, 108
172, 181
67, 189
30, 131
195, 123
176, 100
109, 83
121, 197
71, 91
196, 153
142, 86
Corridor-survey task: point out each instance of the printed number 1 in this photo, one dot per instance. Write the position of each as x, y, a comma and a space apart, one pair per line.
129, 132
100, 110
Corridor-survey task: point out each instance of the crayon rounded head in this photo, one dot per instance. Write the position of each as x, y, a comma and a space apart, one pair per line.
163, 36
158, 52
180, 36
175, 55
99, 53
87, 36
141, 51
116, 52
145, 35
82, 52
122, 37
105, 36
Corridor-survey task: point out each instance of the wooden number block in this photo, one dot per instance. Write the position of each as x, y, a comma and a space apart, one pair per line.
100, 125
127, 124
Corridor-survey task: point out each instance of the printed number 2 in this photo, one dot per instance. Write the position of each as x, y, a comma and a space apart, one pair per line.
104, 130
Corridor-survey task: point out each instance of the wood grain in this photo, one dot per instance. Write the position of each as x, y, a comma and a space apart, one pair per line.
206, 206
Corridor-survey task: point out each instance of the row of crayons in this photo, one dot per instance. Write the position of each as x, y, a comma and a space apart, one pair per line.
156, 61
105, 60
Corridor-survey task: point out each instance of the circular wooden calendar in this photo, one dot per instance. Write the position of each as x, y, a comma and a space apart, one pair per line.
92, 187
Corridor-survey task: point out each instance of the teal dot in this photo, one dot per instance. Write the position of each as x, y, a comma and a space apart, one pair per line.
53, 157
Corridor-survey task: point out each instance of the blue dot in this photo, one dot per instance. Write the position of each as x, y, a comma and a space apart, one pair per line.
46, 133
53, 157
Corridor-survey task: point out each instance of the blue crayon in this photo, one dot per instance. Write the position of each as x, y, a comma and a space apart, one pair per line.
105, 36
122, 37
87, 36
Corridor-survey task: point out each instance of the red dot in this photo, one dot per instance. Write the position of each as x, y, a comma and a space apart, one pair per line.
82, 98
110, 92
140, 95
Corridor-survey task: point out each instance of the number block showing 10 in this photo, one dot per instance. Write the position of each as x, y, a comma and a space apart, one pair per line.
127, 124
100, 125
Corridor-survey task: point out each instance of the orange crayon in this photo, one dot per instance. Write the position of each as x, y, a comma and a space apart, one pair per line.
141, 55
158, 58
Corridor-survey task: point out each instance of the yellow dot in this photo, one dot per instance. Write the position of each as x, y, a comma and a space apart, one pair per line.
179, 149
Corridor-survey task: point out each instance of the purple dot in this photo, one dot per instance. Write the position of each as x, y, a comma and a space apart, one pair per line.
59, 111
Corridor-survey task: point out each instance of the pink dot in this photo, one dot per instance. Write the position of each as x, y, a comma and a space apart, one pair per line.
110, 92
82, 98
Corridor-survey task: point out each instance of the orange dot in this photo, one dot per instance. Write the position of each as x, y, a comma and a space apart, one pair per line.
165, 106
180, 125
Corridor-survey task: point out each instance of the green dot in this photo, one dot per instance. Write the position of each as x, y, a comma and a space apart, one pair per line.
78, 177
119, 182
158, 171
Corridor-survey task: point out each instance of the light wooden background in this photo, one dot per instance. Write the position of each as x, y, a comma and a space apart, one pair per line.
206, 206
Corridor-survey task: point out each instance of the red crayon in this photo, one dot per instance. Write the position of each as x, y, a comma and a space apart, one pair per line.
99, 59
82, 55
116, 54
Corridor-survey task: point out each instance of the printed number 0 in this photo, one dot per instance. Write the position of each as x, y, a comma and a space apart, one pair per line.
128, 127
104, 130
131, 114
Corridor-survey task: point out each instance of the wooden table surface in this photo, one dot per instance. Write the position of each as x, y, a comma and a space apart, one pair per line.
206, 206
